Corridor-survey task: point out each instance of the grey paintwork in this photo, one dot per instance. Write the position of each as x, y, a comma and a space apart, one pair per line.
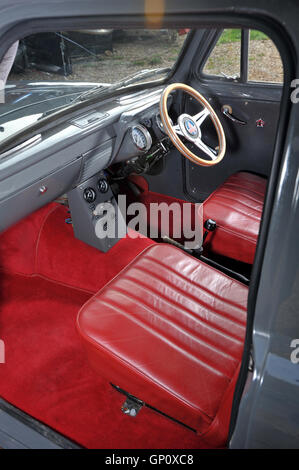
23, 202
20, 431
22, 438
269, 411
75, 144
83, 218
268, 414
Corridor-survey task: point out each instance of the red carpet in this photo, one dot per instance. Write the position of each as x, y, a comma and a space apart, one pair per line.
47, 276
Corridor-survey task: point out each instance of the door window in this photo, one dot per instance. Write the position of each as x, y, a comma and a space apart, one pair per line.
264, 61
224, 60
246, 56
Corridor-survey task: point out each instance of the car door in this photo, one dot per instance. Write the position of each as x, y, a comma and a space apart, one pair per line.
239, 72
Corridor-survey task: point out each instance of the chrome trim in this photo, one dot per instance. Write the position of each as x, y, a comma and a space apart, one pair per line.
24, 145
147, 136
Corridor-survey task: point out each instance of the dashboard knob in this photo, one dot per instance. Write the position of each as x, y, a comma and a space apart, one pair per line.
89, 195
43, 189
103, 185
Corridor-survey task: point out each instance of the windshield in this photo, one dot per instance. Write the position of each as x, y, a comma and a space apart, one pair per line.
49, 71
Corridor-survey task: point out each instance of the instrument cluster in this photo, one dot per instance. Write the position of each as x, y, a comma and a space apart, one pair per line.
149, 130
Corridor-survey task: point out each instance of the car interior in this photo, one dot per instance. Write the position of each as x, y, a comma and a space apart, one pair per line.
135, 341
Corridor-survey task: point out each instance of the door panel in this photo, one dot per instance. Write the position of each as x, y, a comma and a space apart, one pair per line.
249, 147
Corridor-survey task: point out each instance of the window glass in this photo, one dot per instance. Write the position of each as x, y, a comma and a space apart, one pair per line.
224, 60
48, 71
264, 61
101, 55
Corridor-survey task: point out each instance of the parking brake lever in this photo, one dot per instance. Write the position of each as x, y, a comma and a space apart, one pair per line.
227, 111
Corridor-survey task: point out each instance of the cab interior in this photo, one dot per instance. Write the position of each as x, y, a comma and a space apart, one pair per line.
137, 341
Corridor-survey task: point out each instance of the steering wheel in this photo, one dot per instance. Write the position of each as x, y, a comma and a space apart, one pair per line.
190, 127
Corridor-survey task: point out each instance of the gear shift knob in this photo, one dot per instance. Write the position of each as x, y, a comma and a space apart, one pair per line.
210, 225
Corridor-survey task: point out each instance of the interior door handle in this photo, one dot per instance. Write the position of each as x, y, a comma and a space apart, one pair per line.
227, 111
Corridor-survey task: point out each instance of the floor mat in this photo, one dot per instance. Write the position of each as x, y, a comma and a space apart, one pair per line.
48, 275
47, 376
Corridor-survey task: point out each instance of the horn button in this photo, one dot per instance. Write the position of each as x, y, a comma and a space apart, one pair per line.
189, 127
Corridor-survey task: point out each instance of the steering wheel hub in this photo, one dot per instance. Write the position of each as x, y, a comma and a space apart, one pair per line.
188, 127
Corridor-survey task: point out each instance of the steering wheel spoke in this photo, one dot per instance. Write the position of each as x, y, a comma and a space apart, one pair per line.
201, 116
177, 130
209, 151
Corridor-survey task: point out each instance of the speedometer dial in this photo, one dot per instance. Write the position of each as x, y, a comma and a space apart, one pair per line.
141, 137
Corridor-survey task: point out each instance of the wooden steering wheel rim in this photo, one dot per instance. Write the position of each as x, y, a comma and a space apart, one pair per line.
174, 137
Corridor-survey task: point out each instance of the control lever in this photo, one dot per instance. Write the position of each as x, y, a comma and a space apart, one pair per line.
173, 242
210, 225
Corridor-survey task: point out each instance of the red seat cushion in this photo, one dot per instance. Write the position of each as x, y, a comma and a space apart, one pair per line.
237, 207
170, 330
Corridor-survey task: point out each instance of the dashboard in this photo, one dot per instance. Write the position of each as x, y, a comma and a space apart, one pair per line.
58, 160
141, 135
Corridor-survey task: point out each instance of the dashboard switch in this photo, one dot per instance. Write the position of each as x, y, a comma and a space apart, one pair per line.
89, 195
103, 185
43, 189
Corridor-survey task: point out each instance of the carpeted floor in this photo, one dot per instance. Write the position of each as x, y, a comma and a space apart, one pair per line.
46, 277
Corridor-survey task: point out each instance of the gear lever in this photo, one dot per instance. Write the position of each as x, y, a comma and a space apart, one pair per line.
210, 225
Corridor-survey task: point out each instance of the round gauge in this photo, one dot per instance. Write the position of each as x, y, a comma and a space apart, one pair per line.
160, 123
141, 137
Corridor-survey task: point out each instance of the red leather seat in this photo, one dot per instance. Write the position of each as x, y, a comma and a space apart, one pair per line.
170, 330
237, 207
